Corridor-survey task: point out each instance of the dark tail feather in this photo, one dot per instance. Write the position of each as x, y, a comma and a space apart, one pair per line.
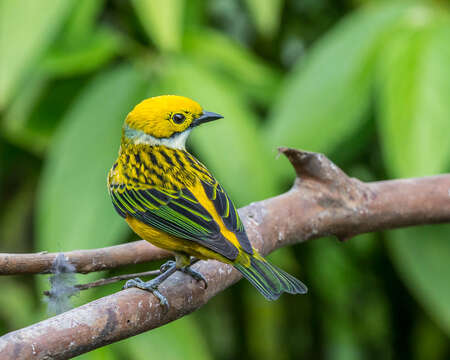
270, 280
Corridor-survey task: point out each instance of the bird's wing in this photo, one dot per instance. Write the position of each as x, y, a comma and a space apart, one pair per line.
180, 213
226, 209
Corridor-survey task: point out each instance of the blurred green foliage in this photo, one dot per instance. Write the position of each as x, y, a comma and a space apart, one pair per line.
366, 82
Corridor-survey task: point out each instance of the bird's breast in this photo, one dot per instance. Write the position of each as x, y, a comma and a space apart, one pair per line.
144, 165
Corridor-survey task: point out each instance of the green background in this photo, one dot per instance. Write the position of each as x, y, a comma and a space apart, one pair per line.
365, 82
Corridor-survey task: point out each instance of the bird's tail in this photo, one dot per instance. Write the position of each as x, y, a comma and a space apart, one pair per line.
268, 279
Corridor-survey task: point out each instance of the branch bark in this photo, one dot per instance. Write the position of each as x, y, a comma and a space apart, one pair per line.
85, 261
112, 280
323, 201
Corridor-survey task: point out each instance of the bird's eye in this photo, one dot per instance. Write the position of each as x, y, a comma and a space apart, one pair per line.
178, 118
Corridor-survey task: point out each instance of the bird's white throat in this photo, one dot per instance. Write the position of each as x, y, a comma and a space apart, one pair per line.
177, 141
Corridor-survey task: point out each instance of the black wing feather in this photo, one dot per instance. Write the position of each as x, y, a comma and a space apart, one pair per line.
226, 209
177, 213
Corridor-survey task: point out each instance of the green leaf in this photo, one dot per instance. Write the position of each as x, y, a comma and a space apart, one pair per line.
264, 320
414, 107
82, 47
252, 76
414, 83
349, 276
266, 15
15, 123
32, 118
82, 20
326, 96
421, 255
30, 25
92, 53
15, 215
74, 210
267, 319
103, 353
20, 312
232, 148
163, 21
429, 342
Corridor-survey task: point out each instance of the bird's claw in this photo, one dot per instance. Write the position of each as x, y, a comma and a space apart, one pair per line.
187, 270
166, 270
148, 286
166, 266
136, 282
195, 274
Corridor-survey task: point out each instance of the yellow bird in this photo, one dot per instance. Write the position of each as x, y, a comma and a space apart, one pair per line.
170, 199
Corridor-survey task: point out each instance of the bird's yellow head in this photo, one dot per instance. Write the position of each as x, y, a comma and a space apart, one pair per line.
165, 120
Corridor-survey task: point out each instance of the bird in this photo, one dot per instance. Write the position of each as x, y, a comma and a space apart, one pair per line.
171, 199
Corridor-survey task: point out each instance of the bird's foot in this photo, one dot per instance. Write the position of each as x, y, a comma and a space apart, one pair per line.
194, 273
186, 269
167, 265
149, 286
167, 269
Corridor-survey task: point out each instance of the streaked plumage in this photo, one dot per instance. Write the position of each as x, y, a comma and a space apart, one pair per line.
170, 199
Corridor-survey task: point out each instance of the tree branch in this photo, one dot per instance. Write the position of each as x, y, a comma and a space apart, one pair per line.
111, 280
323, 201
85, 261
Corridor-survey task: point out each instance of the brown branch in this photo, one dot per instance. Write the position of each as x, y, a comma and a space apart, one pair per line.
111, 280
85, 261
323, 202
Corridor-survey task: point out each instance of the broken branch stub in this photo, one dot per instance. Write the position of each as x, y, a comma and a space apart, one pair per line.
331, 191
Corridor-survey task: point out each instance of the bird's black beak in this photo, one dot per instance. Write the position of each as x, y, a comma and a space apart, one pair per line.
207, 116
